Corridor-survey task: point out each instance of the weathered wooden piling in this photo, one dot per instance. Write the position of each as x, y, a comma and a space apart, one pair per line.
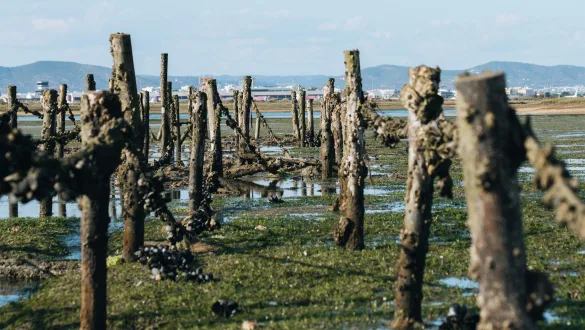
189, 102
310, 123
424, 104
178, 144
295, 114
327, 151
172, 116
244, 116
145, 111
214, 118
491, 152
302, 111
13, 106
337, 127
257, 129
89, 82
196, 159
350, 230
165, 124
235, 102
61, 114
99, 111
49, 129
125, 85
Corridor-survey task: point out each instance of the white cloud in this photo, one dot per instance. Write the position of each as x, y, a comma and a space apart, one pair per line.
354, 23
327, 27
52, 25
507, 19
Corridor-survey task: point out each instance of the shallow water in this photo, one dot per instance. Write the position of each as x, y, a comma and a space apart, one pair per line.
459, 282
13, 291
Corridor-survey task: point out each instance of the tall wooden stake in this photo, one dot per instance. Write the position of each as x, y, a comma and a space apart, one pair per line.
310, 123
327, 150
196, 159
214, 118
49, 104
302, 110
420, 97
62, 109
244, 117
491, 153
145, 111
178, 144
125, 85
350, 230
12, 104
165, 118
295, 114
99, 111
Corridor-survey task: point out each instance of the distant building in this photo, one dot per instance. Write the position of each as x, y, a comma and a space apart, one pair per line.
41, 86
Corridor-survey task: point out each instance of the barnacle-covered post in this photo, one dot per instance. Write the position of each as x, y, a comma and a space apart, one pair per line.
235, 99
302, 110
189, 101
490, 146
165, 118
310, 123
129, 173
171, 113
101, 113
244, 115
327, 151
61, 109
295, 114
214, 117
350, 230
257, 128
145, 111
178, 145
196, 159
13, 106
49, 129
424, 104
337, 127
89, 82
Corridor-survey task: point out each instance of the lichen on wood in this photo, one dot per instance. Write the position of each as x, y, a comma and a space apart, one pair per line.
327, 150
295, 114
49, 129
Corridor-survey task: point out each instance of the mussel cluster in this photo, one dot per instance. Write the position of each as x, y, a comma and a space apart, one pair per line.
459, 317
224, 308
167, 263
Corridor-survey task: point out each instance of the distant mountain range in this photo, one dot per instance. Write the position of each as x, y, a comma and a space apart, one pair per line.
382, 76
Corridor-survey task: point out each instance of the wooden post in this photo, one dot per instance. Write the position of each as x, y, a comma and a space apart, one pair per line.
62, 109
89, 83
235, 99
257, 128
244, 117
171, 115
165, 118
111, 85
178, 145
196, 160
12, 105
125, 85
295, 114
310, 124
189, 102
302, 110
214, 118
350, 230
145, 110
49, 104
491, 158
338, 132
98, 110
327, 150
424, 104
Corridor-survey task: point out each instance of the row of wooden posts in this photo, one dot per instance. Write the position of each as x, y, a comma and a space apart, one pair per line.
487, 136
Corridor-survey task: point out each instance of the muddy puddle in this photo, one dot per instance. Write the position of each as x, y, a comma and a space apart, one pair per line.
14, 291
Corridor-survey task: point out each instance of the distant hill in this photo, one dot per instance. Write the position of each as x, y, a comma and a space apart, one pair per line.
382, 76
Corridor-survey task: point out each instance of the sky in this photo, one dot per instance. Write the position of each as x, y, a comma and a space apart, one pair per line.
275, 37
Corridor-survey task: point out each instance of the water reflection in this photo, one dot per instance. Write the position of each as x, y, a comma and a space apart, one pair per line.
13, 291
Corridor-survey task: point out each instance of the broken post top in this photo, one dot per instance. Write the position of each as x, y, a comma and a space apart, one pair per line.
49, 95
421, 94
11, 91
353, 73
89, 82
302, 93
480, 91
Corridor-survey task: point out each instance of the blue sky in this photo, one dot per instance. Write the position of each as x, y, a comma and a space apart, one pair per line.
294, 37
